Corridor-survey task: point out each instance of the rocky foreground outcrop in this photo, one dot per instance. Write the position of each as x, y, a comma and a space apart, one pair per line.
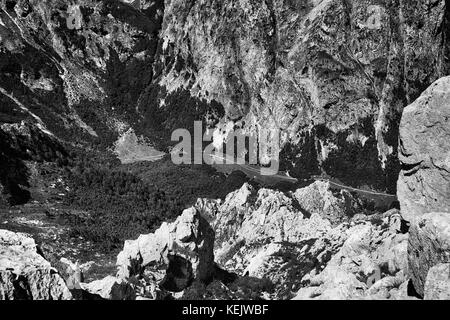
437, 286
174, 256
256, 244
424, 188
260, 244
110, 288
429, 246
25, 274
266, 239
424, 183
370, 264
260, 233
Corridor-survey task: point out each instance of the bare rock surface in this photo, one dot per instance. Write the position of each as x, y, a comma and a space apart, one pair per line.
437, 285
334, 76
429, 245
25, 274
370, 264
335, 206
424, 184
175, 255
111, 288
267, 234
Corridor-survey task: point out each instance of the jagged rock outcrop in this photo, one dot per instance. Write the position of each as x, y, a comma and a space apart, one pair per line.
335, 206
437, 286
174, 256
267, 234
111, 288
429, 245
370, 264
25, 274
424, 183
334, 76
248, 215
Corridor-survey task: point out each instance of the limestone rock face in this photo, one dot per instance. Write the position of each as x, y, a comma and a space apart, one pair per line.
25, 274
266, 235
437, 286
111, 288
429, 245
248, 215
369, 265
424, 184
332, 75
174, 256
335, 206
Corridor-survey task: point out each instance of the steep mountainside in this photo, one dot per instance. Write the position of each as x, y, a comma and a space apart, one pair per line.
333, 75
93, 207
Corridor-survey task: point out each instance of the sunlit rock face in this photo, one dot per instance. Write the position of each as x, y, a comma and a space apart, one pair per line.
25, 274
177, 253
333, 75
429, 246
424, 183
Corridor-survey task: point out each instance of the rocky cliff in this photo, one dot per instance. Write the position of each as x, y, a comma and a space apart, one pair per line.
25, 274
424, 183
332, 75
358, 89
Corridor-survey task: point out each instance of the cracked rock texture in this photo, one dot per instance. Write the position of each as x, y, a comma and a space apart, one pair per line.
333, 75
429, 245
424, 183
174, 256
437, 286
369, 265
111, 288
25, 274
267, 234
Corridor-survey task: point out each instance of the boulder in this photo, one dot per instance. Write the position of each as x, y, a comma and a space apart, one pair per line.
424, 183
174, 256
437, 285
334, 283
25, 274
369, 265
390, 287
111, 288
319, 198
429, 245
